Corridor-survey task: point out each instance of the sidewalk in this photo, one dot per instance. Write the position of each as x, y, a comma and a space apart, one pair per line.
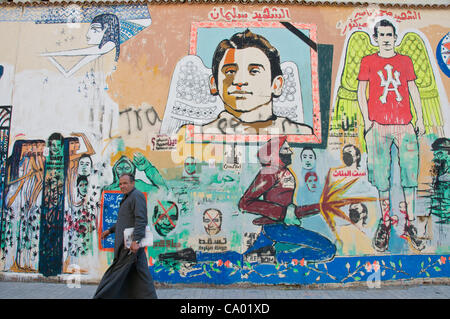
39, 290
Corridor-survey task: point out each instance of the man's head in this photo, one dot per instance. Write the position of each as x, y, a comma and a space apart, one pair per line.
246, 72
311, 181
385, 36
126, 183
82, 185
74, 145
104, 28
358, 213
55, 144
84, 165
286, 154
308, 158
165, 217
123, 165
212, 221
351, 155
190, 165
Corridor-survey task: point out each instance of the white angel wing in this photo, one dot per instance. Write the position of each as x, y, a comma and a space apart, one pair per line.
190, 101
289, 103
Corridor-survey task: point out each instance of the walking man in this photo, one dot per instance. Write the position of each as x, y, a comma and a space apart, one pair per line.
128, 276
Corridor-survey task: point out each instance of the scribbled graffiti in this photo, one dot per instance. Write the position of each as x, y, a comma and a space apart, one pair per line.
271, 149
440, 205
52, 209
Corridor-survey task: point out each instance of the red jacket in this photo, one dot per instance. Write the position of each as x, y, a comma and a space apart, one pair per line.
275, 183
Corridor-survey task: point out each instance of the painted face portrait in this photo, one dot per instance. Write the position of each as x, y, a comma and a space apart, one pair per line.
124, 167
40, 148
386, 38
26, 149
212, 221
351, 155
74, 146
55, 148
244, 79
95, 34
84, 166
165, 217
308, 158
190, 166
286, 154
82, 187
311, 181
358, 212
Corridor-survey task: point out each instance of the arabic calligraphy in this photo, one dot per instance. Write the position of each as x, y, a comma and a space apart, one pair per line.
361, 18
348, 173
163, 143
234, 14
209, 244
166, 243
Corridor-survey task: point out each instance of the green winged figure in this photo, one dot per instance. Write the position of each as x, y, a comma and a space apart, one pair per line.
346, 115
388, 95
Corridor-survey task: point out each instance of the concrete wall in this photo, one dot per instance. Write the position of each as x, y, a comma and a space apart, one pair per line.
250, 176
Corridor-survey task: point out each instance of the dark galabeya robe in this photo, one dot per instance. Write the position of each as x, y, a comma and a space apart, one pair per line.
128, 276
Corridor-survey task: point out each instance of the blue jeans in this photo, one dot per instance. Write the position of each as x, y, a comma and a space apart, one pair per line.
304, 243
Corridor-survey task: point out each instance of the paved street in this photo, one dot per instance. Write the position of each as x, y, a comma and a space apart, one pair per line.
38, 290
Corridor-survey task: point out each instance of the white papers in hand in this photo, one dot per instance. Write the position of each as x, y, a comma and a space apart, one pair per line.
146, 241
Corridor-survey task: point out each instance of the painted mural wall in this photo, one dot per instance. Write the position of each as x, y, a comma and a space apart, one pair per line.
274, 144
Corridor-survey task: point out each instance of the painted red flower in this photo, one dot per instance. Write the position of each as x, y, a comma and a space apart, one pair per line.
302, 262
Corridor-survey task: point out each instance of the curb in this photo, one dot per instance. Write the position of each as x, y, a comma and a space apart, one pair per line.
91, 280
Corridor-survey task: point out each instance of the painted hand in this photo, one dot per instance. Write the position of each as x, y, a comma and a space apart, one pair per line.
290, 218
140, 161
420, 128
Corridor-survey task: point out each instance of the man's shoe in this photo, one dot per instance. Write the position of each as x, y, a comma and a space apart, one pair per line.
382, 235
410, 234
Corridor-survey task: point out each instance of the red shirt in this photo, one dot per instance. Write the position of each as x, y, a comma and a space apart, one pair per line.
388, 78
273, 188
277, 189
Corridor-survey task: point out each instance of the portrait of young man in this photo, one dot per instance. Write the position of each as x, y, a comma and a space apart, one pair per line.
247, 75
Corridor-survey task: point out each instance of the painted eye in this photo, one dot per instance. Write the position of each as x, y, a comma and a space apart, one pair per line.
230, 71
254, 71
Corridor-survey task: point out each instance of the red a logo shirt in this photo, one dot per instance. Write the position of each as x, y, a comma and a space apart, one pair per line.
388, 78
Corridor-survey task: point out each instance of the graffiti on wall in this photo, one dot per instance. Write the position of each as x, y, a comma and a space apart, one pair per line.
251, 170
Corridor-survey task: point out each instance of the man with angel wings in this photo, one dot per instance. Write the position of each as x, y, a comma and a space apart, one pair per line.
386, 84
247, 76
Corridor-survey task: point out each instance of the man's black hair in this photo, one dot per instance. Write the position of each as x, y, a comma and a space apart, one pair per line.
306, 149
383, 23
